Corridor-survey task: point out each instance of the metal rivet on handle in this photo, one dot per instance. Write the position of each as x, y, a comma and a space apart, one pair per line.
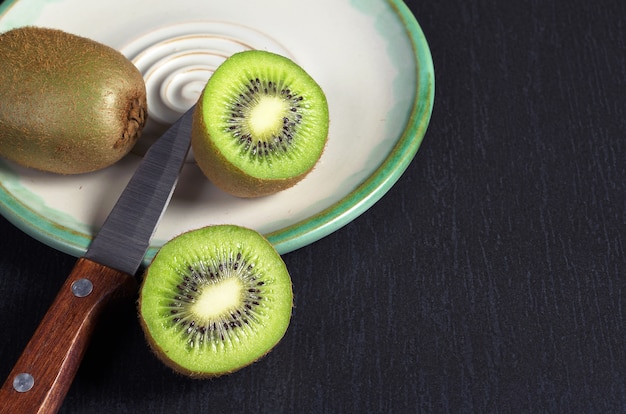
82, 288
23, 382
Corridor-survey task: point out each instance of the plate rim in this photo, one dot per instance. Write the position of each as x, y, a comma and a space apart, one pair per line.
403, 152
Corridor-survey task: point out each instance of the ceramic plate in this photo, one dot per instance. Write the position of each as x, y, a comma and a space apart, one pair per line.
369, 56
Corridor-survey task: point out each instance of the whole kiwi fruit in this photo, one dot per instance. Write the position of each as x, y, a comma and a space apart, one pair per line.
214, 300
260, 125
68, 104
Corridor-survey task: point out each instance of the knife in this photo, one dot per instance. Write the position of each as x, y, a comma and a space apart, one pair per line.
46, 368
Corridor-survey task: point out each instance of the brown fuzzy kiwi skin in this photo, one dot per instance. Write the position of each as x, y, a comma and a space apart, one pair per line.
68, 104
224, 174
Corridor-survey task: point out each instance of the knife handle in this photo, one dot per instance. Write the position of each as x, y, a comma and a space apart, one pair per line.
44, 372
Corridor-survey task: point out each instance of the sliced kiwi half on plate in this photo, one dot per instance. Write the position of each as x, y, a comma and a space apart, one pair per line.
260, 125
215, 300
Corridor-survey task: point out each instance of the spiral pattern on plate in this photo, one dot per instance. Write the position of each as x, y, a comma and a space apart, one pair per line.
176, 61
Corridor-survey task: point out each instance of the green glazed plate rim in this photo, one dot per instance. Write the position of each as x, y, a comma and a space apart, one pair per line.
380, 182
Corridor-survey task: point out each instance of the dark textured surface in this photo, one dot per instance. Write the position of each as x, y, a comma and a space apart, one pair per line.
491, 278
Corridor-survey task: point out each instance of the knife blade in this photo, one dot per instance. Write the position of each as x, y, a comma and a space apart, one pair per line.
43, 373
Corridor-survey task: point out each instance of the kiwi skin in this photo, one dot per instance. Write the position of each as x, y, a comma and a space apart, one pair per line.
158, 289
225, 174
68, 104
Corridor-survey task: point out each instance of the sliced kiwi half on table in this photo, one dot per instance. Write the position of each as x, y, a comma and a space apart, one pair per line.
215, 300
261, 124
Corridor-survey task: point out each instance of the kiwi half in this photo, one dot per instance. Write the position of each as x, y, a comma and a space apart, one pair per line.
261, 124
214, 300
68, 104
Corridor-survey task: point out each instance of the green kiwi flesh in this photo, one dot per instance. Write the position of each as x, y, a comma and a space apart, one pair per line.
215, 300
68, 104
260, 125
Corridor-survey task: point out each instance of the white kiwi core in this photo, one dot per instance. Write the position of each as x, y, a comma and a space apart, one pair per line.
217, 299
266, 117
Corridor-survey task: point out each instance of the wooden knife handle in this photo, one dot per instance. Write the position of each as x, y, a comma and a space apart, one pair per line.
44, 372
